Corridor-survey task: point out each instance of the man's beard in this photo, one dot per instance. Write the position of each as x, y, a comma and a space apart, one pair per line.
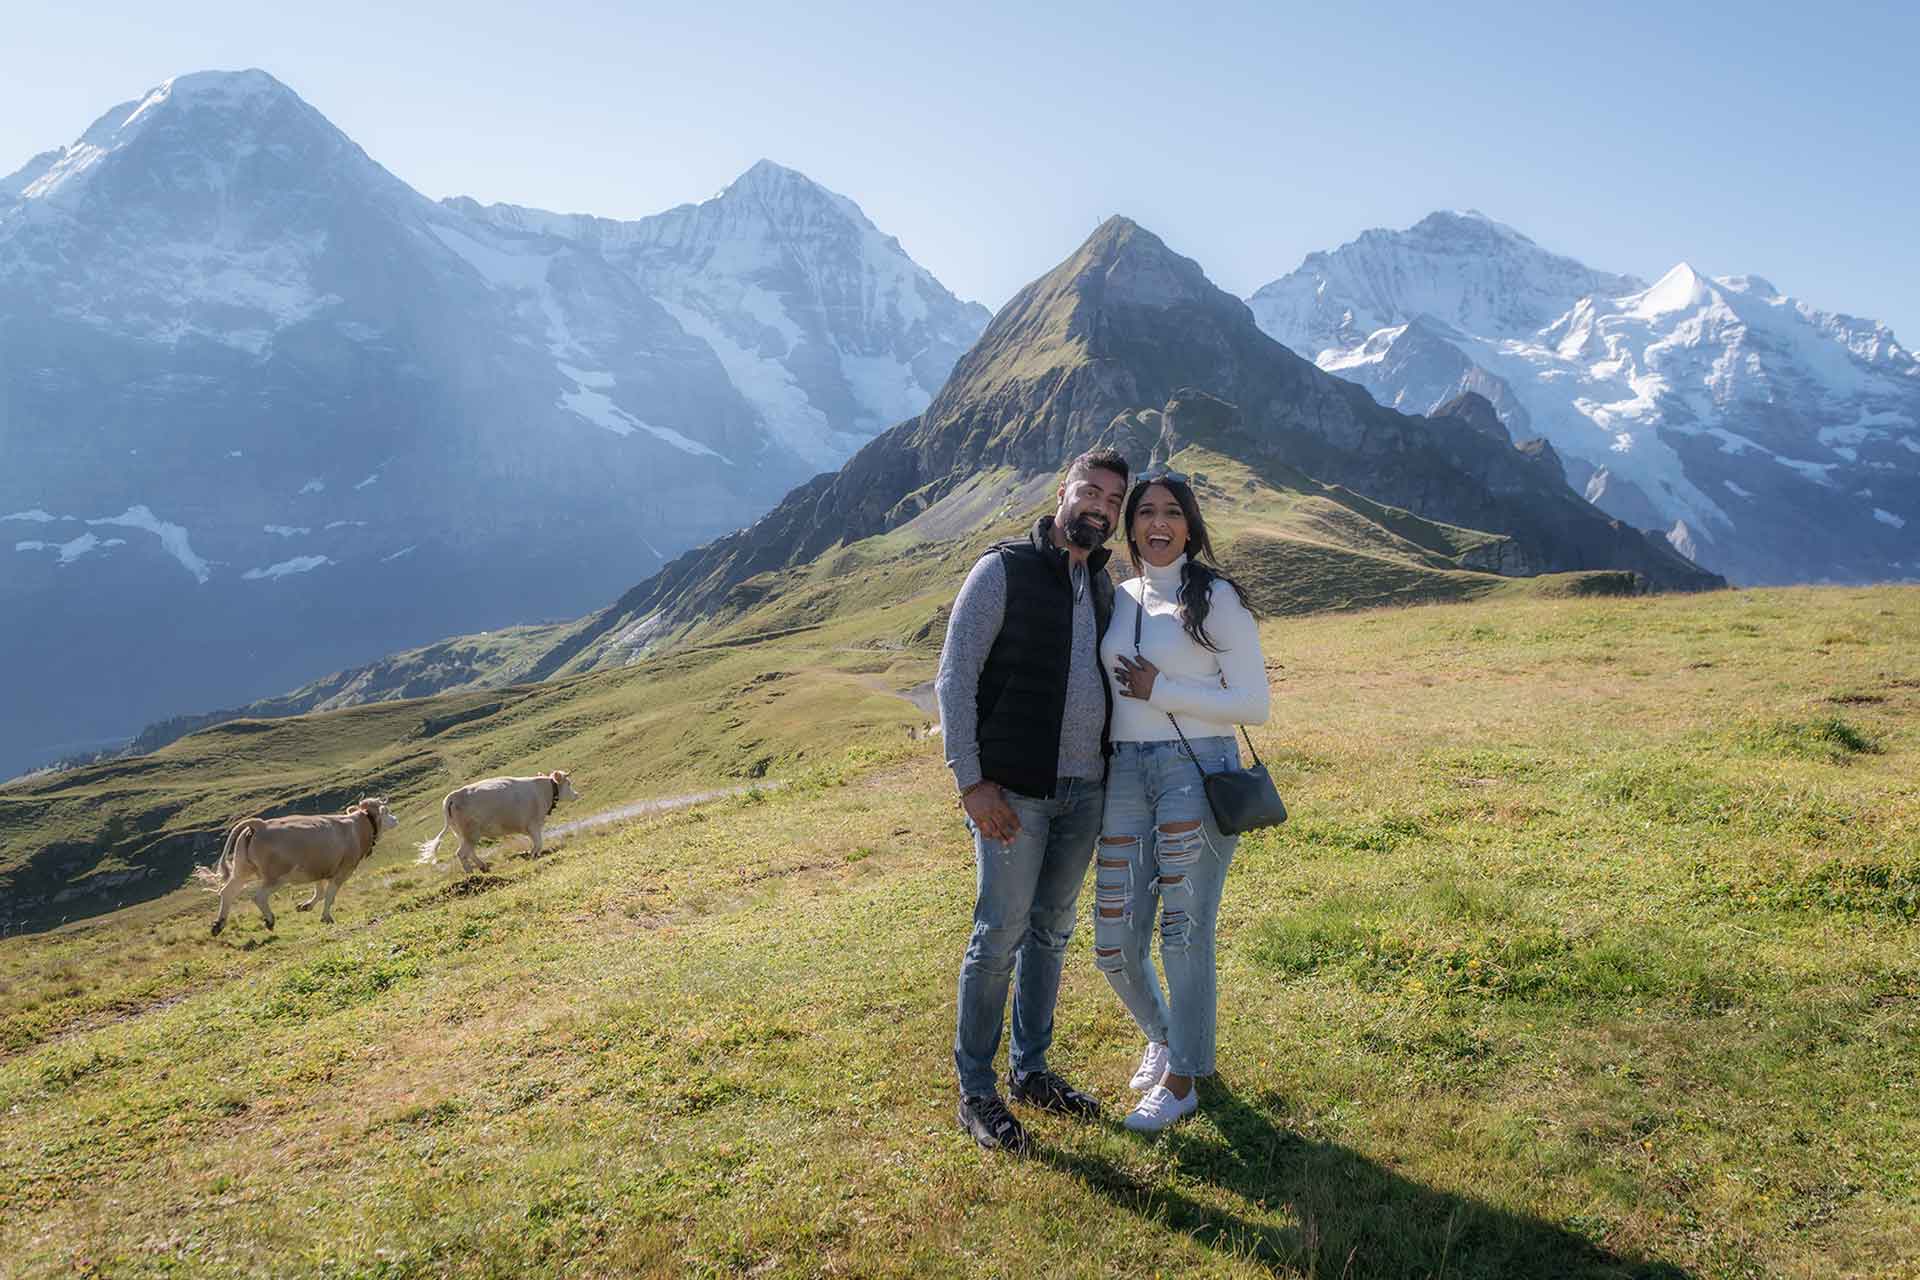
1087, 532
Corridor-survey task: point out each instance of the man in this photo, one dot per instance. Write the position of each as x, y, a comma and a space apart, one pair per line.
1025, 707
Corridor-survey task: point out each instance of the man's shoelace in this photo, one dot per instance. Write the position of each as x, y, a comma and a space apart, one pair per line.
1048, 1085
994, 1114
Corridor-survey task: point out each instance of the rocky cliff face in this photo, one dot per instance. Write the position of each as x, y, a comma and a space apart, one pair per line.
1771, 441
820, 319
1126, 324
253, 384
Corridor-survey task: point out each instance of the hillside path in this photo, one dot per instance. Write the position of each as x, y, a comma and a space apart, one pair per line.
660, 804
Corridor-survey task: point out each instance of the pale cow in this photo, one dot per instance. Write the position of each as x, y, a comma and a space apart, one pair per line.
319, 850
497, 808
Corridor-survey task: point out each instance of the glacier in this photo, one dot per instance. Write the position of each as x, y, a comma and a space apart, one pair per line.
225, 321
824, 324
1667, 400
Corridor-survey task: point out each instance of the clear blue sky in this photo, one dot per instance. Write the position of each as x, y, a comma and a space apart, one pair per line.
1782, 140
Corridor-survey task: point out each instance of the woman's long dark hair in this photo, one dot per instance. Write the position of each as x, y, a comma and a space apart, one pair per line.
1201, 570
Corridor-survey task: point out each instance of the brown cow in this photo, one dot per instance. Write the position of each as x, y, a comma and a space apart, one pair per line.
296, 850
499, 807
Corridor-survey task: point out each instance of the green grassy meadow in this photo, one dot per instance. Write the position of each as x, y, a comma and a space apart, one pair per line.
1590, 951
790, 665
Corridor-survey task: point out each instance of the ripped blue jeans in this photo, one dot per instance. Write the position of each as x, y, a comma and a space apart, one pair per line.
1140, 866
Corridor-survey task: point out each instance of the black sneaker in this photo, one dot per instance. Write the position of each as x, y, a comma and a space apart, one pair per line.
991, 1124
1047, 1091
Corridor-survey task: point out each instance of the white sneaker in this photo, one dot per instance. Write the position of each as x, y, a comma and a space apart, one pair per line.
1160, 1109
1153, 1065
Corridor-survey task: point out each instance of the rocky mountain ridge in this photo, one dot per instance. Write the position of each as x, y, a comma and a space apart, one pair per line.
1770, 440
252, 381
820, 318
1126, 325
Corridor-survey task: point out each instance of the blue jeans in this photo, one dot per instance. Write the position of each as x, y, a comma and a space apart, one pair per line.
1022, 918
1151, 786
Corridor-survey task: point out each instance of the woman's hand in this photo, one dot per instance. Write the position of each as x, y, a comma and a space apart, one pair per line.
1135, 676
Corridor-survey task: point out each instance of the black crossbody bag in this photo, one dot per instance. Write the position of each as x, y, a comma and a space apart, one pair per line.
1241, 799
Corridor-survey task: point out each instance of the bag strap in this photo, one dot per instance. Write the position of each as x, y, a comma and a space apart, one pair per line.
1139, 615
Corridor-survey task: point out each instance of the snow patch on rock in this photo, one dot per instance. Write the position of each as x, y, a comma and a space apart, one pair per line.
1818, 472
173, 537
71, 551
599, 409
286, 568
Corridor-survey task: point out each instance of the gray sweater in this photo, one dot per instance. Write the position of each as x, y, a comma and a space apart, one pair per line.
971, 631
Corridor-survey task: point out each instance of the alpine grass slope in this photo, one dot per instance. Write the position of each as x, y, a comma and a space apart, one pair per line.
837, 639
1589, 952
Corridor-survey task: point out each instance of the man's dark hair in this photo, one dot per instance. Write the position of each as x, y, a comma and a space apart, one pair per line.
1102, 457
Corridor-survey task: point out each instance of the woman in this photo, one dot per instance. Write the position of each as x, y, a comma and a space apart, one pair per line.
1182, 643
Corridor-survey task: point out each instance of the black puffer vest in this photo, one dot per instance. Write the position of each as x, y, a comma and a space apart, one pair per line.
1023, 686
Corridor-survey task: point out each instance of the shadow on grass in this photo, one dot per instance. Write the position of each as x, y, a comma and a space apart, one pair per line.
1355, 1217
463, 885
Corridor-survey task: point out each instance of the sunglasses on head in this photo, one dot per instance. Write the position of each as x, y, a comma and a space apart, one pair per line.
1157, 473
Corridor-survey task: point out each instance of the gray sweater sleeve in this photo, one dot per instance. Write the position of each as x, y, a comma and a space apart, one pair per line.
977, 613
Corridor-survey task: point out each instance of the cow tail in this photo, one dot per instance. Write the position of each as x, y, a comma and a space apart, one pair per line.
428, 848
215, 877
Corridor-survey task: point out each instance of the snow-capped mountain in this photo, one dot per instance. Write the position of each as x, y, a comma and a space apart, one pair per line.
1773, 441
266, 410
821, 320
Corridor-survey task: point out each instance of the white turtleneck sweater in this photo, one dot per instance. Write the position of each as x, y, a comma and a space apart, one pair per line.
1210, 692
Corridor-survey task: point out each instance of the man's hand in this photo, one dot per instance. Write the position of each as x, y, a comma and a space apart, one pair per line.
987, 805
1135, 677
